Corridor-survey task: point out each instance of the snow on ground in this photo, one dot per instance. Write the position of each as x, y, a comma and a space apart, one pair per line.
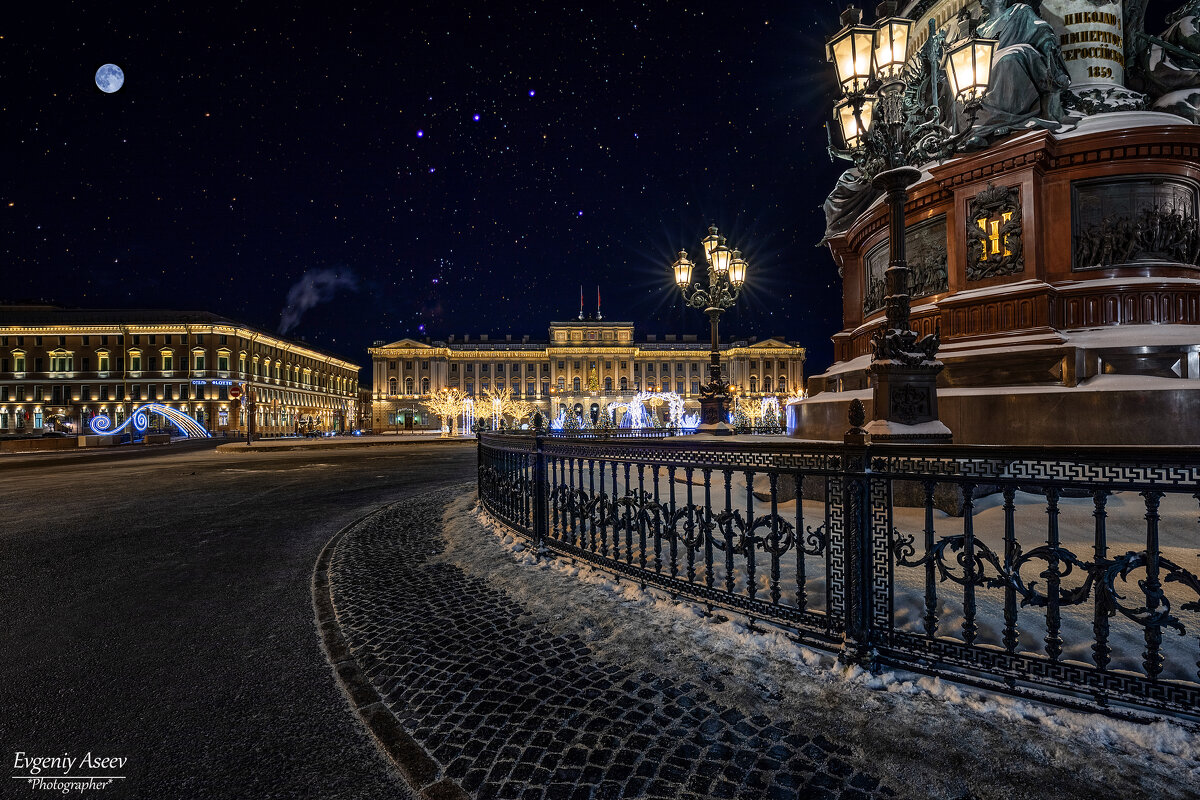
936, 738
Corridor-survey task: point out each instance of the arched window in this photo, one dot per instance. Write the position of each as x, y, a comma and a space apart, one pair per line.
624, 384
754, 383
575, 384
424, 385
782, 384
408, 384
608, 384
391, 385
766, 383
562, 384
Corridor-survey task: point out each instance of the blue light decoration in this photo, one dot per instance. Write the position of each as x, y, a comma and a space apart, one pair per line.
187, 425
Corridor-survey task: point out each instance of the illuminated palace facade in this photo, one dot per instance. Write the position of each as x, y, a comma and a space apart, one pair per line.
585, 365
60, 368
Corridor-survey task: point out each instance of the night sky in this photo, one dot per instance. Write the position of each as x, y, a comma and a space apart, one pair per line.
440, 168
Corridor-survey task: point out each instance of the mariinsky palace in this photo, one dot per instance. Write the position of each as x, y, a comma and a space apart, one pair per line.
585, 363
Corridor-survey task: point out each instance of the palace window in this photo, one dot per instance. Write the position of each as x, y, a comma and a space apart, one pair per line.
424, 385
60, 361
102, 361
608, 365
754, 383
608, 384
766, 383
562, 365
575, 384
531, 388
470, 387
454, 369
223, 360
695, 387
198, 359
678, 387
562, 383
391, 385
135, 360
408, 385
408, 365
624, 384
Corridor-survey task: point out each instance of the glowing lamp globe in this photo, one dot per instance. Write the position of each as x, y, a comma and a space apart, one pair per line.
852, 51
849, 124
710, 242
720, 258
969, 64
683, 270
891, 46
737, 270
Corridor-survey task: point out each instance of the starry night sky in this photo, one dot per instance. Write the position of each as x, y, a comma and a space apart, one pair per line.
450, 168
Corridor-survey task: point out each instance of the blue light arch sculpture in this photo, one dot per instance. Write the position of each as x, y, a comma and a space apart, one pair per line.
140, 419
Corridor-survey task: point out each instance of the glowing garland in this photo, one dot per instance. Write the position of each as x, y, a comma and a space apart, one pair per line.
140, 419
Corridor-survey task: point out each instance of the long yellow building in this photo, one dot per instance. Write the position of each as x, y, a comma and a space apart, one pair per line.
60, 368
584, 364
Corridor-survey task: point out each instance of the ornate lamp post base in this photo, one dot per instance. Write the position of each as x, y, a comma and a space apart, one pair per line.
712, 415
906, 403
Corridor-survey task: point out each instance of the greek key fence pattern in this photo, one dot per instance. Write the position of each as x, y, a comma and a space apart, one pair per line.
1067, 574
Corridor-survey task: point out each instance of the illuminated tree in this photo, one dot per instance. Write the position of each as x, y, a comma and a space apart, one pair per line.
506, 405
446, 404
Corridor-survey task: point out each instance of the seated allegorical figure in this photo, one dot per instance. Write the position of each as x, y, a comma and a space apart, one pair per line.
1173, 66
1028, 73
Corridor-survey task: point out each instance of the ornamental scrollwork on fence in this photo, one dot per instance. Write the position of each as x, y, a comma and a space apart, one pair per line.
1099, 578
778, 537
949, 555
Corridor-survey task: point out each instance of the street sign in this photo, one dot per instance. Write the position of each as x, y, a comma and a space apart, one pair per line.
235, 391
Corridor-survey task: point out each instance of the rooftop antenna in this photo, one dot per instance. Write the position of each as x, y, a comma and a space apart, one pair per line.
581, 301
598, 317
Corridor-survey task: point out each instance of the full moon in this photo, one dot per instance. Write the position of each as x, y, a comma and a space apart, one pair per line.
109, 78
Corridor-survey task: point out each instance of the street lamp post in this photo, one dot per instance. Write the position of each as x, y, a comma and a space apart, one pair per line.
888, 130
726, 276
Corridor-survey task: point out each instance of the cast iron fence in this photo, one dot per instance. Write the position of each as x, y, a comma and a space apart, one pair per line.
1040, 571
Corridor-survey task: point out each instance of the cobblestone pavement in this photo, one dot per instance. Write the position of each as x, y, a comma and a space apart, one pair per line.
509, 710
159, 609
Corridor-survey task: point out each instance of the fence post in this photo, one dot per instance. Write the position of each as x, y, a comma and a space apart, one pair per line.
856, 646
541, 516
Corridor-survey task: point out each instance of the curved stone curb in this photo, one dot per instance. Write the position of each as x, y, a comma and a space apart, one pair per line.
416, 766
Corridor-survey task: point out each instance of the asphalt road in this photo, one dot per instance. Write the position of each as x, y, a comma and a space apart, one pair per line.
158, 609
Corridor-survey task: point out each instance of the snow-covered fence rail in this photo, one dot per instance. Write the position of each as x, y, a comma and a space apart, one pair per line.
1062, 573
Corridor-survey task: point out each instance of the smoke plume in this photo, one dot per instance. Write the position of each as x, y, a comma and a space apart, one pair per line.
314, 287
